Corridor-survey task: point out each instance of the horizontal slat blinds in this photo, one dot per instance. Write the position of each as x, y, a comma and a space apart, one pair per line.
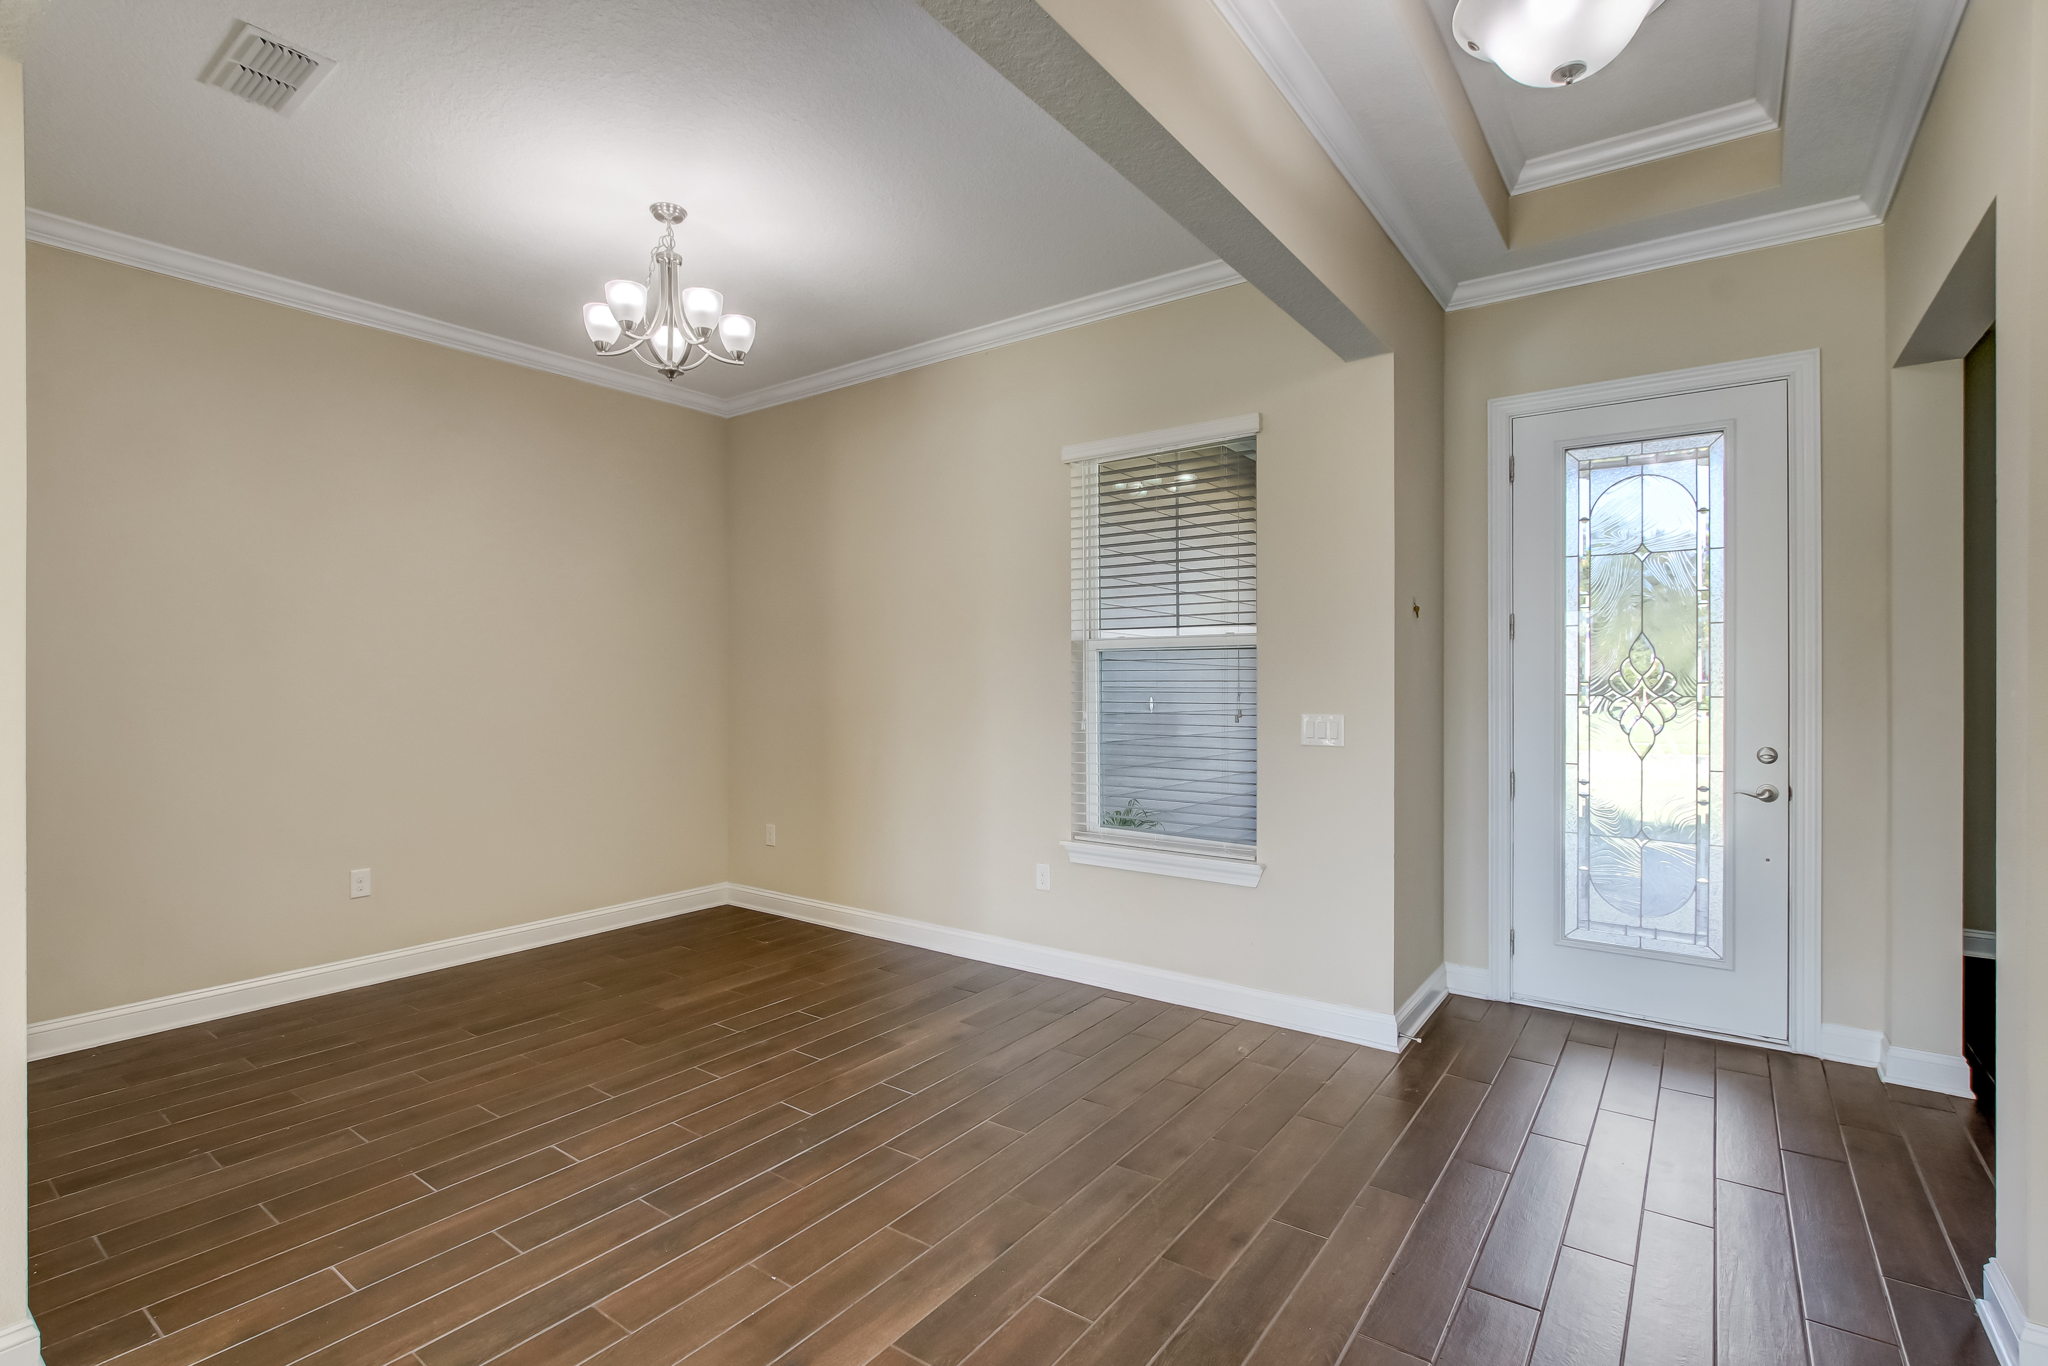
1166, 656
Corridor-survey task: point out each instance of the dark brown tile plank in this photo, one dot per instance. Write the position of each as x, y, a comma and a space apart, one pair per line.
1671, 1317
1574, 1095
1489, 1332
1937, 1329
1586, 1316
1746, 1130
1609, 1205
1910, 1243
1756, 1303
1422, 1288
1838, 1276
1514, 1264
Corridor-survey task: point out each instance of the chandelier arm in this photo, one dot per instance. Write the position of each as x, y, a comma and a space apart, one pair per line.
722, 360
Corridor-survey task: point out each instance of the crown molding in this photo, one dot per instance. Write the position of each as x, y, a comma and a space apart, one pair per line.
1689, 134
1161, 289
1703, 244
1934, 31
72, 235
1262, 28
119, 247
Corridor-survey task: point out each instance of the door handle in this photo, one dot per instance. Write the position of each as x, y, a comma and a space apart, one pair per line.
1766, 793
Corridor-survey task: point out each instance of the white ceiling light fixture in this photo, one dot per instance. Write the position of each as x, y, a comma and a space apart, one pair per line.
668, 326
1548, 43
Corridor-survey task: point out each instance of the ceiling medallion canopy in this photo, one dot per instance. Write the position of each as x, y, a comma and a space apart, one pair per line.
668, 326
1548, 43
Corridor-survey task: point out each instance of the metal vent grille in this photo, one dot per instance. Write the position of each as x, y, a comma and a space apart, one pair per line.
264, 69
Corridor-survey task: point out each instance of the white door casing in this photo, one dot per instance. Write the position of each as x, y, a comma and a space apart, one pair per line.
1756, 977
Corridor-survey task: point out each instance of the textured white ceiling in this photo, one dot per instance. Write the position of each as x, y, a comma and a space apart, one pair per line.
1855, 76
856, 179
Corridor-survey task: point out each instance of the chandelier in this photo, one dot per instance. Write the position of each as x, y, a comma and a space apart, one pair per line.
669, 327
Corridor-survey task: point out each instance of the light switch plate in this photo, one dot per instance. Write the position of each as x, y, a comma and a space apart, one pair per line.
1322, 728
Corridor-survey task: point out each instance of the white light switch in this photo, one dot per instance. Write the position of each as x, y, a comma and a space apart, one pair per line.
358, 882
1041, 876
1324, 728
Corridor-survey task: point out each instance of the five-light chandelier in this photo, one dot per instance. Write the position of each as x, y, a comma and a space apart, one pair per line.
668, 326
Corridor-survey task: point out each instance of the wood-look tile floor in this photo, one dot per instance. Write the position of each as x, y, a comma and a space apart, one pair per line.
734, 1139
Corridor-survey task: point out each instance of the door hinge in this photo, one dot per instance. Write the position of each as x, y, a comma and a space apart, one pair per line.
1511, 626
1511, 469
1511, 784
1511, 943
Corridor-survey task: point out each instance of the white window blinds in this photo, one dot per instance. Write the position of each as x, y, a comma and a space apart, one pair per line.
1166, 648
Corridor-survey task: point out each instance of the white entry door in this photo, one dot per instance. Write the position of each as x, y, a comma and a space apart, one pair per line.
1651, 709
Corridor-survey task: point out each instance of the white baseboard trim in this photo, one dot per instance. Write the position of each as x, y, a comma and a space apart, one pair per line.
1421, 1004
1846, 1043
1980, 943
1463, 979
48, 1038
1946, 1073
21, 1344
1373, 1028
2016, 1339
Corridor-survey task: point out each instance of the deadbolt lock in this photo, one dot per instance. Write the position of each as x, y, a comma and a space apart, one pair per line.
1767, 755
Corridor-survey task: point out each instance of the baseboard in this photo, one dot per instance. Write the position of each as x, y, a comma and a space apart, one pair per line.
21, 1344
1373, 1028
2017, 1340
1421, 1004
1846, 1043
72, 1033
1980, 943
1946, 1073
1463, 979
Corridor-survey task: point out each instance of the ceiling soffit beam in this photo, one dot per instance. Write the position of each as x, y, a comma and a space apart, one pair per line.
1035, 54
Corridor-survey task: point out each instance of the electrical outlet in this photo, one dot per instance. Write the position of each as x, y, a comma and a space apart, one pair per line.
358, 882
768, 837
1041, 876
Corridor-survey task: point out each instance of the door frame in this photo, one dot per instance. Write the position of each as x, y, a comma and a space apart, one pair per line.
1800, 370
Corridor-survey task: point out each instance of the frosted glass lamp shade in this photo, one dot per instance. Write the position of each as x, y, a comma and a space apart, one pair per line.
701, 309
599, 323
670, 345
1548, 43
628, 300
736, 332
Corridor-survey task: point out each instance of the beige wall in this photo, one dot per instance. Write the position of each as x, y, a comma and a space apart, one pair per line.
1825, 294
1189, 69
901, 696
307, 597
13, 809
1984, 143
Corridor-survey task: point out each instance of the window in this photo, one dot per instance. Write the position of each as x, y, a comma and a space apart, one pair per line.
1166, 651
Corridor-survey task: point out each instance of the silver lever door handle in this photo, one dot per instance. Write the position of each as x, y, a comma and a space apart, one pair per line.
1766, 793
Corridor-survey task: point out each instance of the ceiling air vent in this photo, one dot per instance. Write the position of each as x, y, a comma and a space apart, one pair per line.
264, 69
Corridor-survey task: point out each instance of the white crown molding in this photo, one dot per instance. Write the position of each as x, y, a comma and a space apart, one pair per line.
71, 1033
1634, 148
1161, 289
1372, 1028
1934, 30
1262, 28
2015, 1339
21, 1344
1703, 244
119, 247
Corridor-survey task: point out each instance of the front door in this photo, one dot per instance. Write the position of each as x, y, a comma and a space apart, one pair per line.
1650, 714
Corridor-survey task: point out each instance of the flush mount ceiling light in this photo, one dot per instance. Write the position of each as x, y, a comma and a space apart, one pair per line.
1548, 42
669, 327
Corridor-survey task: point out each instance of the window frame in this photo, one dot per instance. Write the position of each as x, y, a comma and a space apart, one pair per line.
1090, 842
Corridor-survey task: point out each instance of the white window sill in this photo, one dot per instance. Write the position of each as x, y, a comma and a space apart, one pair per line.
1166, 862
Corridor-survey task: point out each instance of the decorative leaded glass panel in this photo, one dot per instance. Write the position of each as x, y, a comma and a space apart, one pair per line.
1644, 694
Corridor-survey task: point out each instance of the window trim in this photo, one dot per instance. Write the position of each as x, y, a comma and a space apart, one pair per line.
1169, 855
